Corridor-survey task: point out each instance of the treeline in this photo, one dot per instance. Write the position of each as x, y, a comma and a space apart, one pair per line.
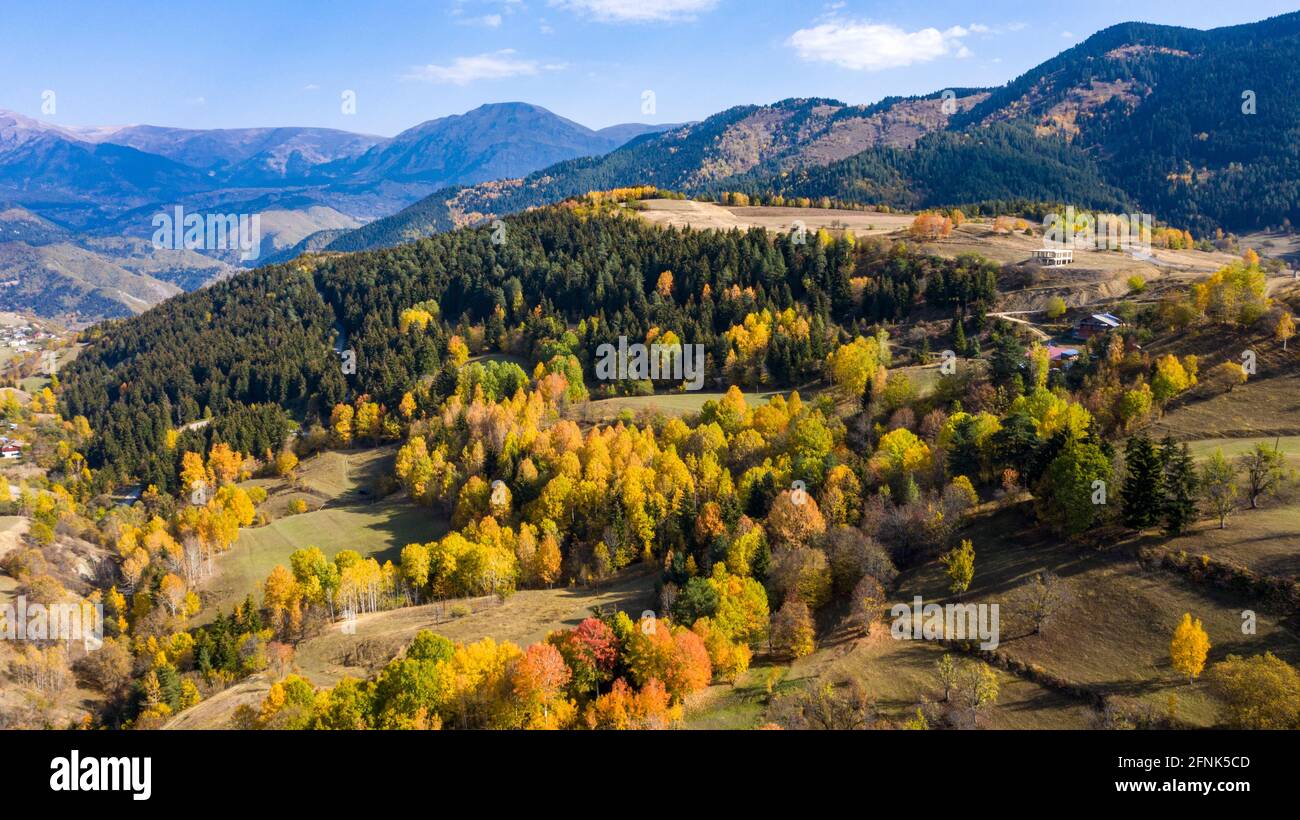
550, 282
553, 270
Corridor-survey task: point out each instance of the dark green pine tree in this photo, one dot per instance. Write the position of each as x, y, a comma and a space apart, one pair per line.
958, 336
867, 392
1179, 510
1143, 491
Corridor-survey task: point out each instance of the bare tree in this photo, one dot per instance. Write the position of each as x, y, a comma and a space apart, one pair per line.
841, 706
1041, 599
1263, 469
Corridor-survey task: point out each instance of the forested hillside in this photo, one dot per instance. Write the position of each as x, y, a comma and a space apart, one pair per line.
260, 338
1194, 125
1004, 162
571, 277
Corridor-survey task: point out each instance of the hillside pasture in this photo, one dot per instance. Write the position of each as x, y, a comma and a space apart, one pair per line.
687, 213
1113, 634
1266, 540
341, 490
1260, 408
329, 478
523, 618
668, 404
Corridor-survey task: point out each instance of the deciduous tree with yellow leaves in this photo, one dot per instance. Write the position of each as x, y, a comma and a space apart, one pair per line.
1189, 647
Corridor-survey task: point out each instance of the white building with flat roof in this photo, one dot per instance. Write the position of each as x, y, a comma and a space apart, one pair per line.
1053, 257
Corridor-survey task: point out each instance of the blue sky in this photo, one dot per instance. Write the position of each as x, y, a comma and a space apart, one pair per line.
285, 62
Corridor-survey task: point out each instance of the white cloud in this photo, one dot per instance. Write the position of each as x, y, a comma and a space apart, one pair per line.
637, 11
311, 87
487, 21
863, 46
497, 65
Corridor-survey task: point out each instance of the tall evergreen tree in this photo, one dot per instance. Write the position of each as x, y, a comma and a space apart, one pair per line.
1179, 509
1143, 490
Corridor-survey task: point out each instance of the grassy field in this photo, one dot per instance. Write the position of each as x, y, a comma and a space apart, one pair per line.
896, 674
1233, 447
331, 477
524, 618
379, 530
1266, 540
216, 711
339, 488
684, 213
34, 384
1257, 409
1096, 275
924, 377
671, 404
1113, 634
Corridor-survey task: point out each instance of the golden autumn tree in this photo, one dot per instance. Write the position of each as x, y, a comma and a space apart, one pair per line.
224, 462
1285, 329
286, 463
960, 566
1189, 647
341, 424
1171, 378
899, 452
537, 680
851, 365
282, 597
193, 471
794, 519
931, 226
457, 351
407, 405
664, 287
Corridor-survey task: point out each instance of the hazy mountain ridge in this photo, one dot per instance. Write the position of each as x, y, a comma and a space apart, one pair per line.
88, 178
77, 186
490, 142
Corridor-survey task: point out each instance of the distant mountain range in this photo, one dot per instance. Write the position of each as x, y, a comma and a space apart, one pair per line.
93, 179
1197, 127
88, 185
749, 140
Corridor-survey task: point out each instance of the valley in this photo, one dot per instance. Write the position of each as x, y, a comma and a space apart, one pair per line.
381, 475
